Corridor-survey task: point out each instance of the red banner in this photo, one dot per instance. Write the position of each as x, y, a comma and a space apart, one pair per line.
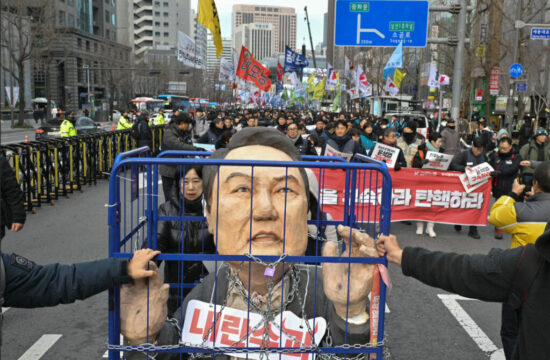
494, 82
417, 194
250, 69
280, 72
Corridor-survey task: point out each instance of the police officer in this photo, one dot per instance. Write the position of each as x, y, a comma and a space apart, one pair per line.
159, 119
123, 122
67, 126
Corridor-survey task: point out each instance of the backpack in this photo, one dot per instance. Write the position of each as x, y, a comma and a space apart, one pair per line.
527, 269
134, 132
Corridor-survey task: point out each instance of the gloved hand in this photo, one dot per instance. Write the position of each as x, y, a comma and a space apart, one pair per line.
425, 161
397, 167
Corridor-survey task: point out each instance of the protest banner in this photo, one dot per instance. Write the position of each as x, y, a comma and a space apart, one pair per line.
417, 195
385, 154
438, 161
235, 328
251, 70
188, 53
330, 151
479, 173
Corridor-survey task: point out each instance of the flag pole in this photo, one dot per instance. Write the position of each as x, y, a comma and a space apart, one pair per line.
440, 107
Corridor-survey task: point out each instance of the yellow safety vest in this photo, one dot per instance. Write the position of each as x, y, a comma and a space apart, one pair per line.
159, 120
67, 129
123, 123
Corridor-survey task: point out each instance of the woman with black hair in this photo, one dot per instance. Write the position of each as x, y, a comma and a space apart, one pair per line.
184, 237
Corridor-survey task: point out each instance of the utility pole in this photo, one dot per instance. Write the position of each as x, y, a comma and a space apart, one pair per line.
310, 39
510, 106
459, 61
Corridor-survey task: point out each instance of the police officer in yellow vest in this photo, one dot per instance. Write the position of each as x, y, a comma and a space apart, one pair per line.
159, 119
67, 126
123, 122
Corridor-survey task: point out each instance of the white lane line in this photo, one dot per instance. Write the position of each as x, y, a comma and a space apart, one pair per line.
472, 329
39, 348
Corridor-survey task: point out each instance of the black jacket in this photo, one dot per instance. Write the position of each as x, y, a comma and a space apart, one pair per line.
490, 278
145, 134
344, 144
212, 135
304, 146
418, 158
174, 139
11, 198
189, 237
466, 158
506, 169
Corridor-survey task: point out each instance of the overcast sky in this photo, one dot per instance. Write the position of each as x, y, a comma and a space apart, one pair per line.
315, 8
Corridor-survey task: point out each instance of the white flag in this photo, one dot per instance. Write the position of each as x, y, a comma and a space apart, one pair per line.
294, 80
348, 68
390, 87
433, 80
226, 69
361, 79
332, 80
444, 79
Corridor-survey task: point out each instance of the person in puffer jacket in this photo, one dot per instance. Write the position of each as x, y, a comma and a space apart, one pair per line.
184, 237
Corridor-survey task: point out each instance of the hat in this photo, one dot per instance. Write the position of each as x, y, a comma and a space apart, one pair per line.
68, 112
451, 120
541, 131
411, 125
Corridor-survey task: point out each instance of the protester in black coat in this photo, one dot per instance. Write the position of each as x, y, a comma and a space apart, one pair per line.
145, 137
12, 199
342, 141
304, 146
184, 237
213, 134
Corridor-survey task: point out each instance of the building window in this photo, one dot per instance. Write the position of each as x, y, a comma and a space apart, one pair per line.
157, 33
165, 14
107, 34
87, 46
71, 20
157, 23
165, 4
157, 3
113, 19
70, 2
95, 47
79, 43
61, 17
113, 3
107, 16
166, 34
165, 24
79, 72
157, 13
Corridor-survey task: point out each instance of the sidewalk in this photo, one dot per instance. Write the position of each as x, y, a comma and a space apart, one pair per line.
5, 126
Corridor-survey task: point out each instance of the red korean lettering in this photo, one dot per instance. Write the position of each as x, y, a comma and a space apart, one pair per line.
254, 71
194, 329
230, 326
209, 325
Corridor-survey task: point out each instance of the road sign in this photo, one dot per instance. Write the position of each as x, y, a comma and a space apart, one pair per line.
540, 33
521, 87
516, 70
381, 23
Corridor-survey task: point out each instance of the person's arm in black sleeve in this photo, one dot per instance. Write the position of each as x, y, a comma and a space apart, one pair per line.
204, 138
11, 192
418, 161
401, 160
29, 285
459, 162
171, 141
484, 277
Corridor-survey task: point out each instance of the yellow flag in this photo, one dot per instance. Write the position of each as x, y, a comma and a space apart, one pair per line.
208, 16
398, 77
310, 82
319, 90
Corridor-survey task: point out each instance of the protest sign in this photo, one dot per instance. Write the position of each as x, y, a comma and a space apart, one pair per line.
385, 153
330, 151
438, 161
479, 173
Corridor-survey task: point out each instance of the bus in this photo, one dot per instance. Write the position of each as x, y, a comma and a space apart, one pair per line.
175, 102
146, 103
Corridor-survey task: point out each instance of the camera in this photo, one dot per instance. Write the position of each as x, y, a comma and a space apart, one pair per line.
527, 180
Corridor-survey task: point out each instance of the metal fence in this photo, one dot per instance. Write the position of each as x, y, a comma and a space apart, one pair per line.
138, 218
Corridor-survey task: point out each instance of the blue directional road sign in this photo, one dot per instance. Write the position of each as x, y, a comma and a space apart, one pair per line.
540, 33
521, 87
381, 23
516, 70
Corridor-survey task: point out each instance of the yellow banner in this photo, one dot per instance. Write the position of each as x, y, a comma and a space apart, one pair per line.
319, 90
398, 77
208, 16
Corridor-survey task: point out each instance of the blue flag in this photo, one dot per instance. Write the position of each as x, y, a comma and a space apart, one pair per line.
279, 87
395, 61
294, 61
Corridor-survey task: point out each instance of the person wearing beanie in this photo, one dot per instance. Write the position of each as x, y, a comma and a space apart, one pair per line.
537, 149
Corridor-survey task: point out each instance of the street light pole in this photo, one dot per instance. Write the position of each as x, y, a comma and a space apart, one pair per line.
510, 104
459, 61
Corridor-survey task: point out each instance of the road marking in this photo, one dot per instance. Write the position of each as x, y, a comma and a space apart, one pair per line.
40, 347
472, 329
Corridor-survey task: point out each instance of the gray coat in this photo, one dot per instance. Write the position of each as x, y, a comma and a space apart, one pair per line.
174, 139
319, 306
450, 141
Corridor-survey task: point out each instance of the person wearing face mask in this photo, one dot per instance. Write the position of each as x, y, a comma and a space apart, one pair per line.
409, 141
506, 163
433, 144
183, 236
450, 139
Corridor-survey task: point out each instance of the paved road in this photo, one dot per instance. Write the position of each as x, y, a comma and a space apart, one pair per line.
419, 326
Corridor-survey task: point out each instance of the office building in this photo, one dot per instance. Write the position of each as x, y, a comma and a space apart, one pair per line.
257, 38
282, 20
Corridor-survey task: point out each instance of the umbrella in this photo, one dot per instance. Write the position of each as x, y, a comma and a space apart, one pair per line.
40, 100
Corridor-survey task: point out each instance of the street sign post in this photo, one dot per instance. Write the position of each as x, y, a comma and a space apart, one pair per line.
540, 33
516, 70
381, 23
521, 87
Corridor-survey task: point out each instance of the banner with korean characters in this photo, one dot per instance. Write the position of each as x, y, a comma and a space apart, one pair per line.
417, 195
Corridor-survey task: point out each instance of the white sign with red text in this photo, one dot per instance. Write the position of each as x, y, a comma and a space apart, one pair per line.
438, 161
385, 153
330, 151
479, 173
239, 328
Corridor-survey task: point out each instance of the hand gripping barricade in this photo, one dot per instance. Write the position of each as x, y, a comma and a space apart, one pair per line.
223, 315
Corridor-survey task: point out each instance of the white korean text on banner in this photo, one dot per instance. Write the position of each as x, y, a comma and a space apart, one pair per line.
437, 161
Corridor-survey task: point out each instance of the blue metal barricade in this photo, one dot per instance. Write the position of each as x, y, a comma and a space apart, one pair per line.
135, 221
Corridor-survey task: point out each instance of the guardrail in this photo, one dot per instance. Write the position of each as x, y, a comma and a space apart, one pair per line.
49, 168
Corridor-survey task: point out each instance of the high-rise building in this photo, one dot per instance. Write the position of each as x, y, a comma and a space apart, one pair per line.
282, 19
147, 24
257, 38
